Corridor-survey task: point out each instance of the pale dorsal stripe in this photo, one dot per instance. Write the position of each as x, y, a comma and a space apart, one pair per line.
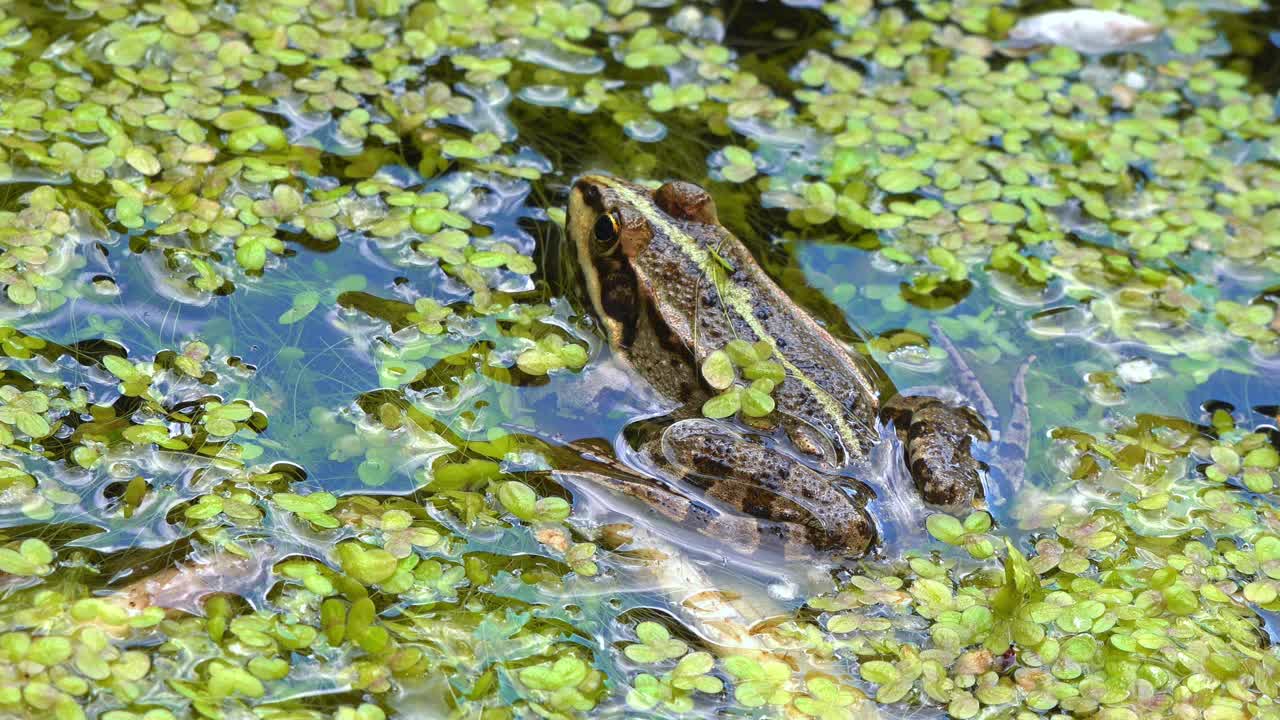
737, 299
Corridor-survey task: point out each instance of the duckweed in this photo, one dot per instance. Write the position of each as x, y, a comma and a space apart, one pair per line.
285, 312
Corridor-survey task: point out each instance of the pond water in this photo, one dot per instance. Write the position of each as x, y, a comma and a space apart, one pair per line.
295, 352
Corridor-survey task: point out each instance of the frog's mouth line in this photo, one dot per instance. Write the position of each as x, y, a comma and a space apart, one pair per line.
582, 213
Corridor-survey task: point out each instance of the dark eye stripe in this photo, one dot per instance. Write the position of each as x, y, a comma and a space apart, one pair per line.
620, 300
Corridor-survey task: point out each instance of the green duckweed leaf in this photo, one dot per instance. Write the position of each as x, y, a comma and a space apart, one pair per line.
303, 303
945, 528
718, 370
755, 400
368, 565
724, 405
656, 645
759, 681
519, 499
899, 182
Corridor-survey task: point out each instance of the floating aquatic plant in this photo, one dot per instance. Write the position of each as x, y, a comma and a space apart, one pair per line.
370, 191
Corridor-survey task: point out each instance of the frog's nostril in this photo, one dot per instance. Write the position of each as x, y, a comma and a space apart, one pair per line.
590, 194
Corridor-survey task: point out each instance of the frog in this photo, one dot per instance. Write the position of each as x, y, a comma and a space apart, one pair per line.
669, 285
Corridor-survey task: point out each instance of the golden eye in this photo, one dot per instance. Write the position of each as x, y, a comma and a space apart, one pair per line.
606, 228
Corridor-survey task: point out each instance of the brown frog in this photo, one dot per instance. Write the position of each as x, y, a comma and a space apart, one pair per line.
670, 285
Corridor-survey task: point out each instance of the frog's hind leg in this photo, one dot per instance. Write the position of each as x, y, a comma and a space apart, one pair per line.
937, 443
1010, 452
745, 535
761, 482
1011, 449
845, 530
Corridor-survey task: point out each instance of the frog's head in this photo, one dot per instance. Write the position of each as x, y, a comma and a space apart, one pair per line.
627, 239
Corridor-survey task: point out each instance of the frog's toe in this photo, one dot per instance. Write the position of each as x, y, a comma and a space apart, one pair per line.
1010, 463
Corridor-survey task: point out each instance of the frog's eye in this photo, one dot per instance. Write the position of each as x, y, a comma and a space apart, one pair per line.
606, 228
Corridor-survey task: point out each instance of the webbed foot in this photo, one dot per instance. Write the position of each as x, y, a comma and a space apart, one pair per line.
937, 438
937, 446
1010, 462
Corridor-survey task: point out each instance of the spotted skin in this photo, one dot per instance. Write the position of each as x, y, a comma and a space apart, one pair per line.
670, 285
704, 287
936, 439
765, 483
745, 535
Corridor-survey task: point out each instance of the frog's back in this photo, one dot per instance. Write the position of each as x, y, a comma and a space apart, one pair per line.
709, 290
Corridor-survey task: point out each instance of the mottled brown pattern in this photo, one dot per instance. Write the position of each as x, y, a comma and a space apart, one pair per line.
746, 536
686, 201
766, 483
694, 287
693, 310
936, 439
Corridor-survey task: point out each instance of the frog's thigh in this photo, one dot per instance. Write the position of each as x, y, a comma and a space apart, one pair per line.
937, 445
764, 483
741, 533
701, 446
843, 528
